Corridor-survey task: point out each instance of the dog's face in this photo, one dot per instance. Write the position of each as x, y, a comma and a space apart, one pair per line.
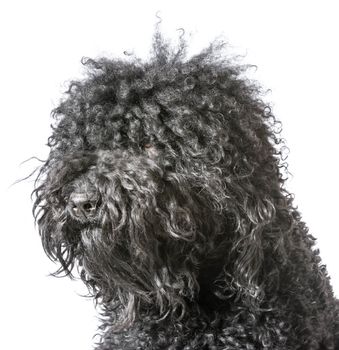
152, 171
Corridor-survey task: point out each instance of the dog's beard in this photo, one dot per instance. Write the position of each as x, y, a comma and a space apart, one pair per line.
145, 246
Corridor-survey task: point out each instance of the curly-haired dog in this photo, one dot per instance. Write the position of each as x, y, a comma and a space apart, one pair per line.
164, 188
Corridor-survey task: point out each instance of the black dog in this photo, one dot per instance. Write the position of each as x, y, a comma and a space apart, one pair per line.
164, 189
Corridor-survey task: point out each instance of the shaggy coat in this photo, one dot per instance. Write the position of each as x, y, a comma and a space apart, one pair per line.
164, 190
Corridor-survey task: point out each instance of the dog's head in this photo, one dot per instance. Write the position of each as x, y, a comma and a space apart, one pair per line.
161, 179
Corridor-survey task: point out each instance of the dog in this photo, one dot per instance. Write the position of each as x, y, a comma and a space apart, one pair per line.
164, 191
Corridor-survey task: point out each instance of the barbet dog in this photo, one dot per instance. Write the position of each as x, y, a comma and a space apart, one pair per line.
164, 190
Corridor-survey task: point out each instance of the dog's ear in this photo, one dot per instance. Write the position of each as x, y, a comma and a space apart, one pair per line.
255, 241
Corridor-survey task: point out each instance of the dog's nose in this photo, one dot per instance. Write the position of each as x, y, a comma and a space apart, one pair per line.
82, 207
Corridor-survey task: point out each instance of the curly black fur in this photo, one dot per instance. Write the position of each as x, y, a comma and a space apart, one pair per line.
185, 236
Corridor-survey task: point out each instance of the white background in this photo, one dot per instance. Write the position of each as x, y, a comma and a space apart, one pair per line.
293, 43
